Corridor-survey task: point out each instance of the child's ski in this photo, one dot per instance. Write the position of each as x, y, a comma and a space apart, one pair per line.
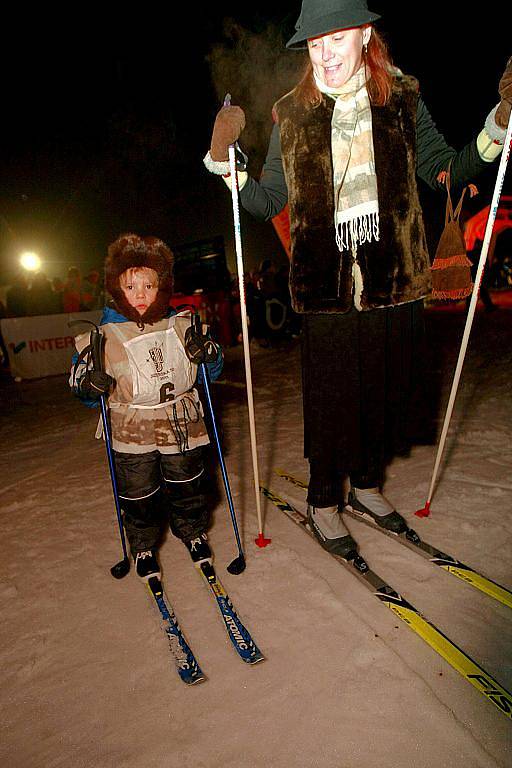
239, 635
186, 665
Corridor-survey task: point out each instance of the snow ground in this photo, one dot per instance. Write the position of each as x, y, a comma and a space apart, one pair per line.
86, 678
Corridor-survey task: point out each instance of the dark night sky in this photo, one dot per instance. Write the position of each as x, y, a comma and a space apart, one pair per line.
107, 114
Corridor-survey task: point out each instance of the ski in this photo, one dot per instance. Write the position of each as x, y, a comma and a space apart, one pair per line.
239, 635
460, 661
411, 540
186, 665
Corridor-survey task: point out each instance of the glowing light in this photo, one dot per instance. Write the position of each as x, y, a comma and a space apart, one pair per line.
30, 261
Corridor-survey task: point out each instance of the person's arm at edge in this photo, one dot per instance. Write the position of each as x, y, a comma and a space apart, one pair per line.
434, 153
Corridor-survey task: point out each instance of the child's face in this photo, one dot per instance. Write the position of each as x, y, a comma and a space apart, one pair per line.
140, 287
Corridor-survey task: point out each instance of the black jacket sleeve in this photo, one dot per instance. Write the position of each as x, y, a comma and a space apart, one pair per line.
434, 154
266, 198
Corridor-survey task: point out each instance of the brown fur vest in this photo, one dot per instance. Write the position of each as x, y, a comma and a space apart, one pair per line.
397, 268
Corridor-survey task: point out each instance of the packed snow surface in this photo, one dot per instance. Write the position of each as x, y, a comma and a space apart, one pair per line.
86, 675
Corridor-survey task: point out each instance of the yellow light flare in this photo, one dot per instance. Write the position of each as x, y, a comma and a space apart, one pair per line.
30, 261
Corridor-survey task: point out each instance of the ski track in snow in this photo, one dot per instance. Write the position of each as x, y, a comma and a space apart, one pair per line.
86, 675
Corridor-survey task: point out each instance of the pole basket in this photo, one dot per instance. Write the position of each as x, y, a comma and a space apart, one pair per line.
425, 511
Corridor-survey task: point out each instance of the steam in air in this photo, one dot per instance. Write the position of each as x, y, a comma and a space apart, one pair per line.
256, 69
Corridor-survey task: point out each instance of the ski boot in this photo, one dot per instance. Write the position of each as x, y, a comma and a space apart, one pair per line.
199, 550
330, 531
370, 502
146, 565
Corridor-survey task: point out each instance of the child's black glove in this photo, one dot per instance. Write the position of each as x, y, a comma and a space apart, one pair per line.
199, 347
95, 384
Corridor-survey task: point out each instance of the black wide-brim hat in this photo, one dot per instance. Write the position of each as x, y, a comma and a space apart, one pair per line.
320, 17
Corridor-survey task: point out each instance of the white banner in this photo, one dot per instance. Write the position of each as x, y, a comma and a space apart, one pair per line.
43, 345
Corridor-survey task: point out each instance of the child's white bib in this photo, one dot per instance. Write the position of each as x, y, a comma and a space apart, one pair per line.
160, 369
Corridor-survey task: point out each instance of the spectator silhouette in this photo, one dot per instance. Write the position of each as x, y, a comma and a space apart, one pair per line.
58, 292
90, 295
40, 296
71, 293
17, 297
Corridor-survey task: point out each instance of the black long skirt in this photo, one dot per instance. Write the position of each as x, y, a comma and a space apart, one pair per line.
361, 375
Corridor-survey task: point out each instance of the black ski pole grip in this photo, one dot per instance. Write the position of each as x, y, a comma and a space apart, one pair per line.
96, 347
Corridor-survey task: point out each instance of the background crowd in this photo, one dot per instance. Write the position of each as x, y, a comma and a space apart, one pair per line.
41, 296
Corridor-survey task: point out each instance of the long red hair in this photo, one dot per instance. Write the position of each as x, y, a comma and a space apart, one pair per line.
376, 59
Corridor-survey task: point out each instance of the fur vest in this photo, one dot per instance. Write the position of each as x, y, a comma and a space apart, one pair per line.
394, 270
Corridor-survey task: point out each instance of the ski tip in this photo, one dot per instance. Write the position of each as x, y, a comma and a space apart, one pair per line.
425, 511
261, 541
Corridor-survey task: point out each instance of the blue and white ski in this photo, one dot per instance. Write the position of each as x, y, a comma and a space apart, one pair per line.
239, 635
186, 664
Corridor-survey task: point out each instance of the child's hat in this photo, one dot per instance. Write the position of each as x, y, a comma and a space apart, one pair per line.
130, 251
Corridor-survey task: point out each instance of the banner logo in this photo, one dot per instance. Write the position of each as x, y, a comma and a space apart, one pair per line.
16, 348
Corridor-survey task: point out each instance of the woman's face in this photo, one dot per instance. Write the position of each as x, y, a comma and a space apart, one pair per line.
338, 56
140, 287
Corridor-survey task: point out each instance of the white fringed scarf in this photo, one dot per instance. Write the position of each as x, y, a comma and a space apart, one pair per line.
356, 215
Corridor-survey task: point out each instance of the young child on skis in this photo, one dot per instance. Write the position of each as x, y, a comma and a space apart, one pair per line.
149, 371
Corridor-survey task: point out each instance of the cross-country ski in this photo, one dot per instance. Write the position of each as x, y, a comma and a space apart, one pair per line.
410, 539
437, 640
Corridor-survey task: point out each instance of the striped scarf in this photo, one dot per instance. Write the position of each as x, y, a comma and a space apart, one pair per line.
356, 216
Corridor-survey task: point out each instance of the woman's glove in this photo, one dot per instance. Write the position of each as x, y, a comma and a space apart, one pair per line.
95, 384
505, 90
229, 124
199, 347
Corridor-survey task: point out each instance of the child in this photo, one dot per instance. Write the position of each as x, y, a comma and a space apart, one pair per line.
158, 432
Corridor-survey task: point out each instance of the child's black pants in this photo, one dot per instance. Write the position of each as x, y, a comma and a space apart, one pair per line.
156, 488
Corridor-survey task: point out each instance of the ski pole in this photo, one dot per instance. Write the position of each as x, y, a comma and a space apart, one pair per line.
261, 541
493, 210
238, 564
120, 569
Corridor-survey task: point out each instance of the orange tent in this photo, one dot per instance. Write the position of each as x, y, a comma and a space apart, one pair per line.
474, 229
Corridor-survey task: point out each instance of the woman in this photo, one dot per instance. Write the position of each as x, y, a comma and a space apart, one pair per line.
345, 150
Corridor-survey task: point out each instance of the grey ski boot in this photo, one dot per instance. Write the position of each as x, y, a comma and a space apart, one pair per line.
329, 529
371, 502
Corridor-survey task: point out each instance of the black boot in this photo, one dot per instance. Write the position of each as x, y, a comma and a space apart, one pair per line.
199, 549
146, 565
